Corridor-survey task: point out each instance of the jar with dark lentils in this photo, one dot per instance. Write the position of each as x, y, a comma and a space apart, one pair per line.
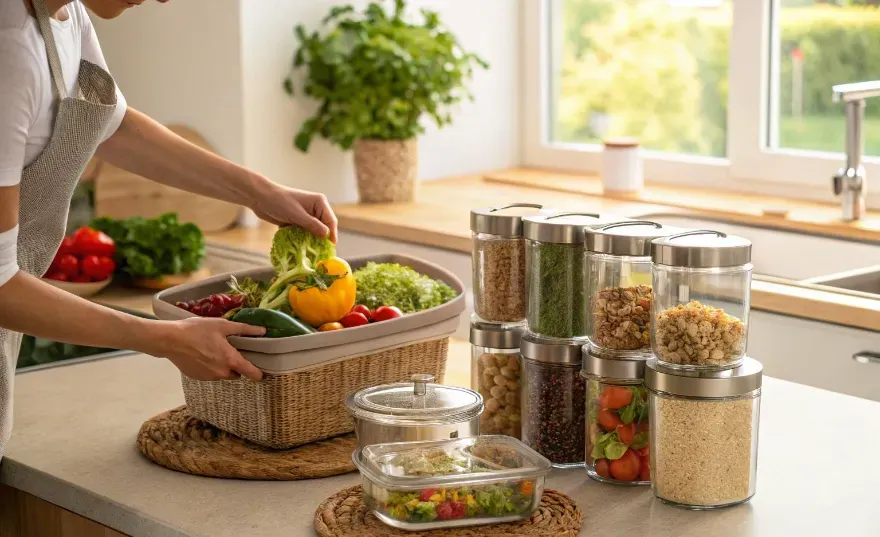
554, 395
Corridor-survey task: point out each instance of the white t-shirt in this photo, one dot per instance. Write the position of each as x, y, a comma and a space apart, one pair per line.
28, 99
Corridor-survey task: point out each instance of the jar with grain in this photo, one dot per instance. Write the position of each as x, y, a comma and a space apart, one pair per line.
701, 291
618, 285
553, 399
555, 272
617, 430
499, 261
704, 434
497, 374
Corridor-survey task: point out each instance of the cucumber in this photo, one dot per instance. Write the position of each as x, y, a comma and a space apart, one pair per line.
277, 324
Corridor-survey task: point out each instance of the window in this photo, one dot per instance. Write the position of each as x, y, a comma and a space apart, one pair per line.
718, 91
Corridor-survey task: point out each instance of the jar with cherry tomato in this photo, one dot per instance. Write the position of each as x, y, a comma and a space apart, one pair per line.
617, 425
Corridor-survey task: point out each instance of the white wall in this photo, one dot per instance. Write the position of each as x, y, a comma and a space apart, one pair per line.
218, 65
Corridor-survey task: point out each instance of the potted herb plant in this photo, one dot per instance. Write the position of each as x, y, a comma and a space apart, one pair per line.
378, 76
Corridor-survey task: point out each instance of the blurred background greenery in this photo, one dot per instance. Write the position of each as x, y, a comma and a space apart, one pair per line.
658, 70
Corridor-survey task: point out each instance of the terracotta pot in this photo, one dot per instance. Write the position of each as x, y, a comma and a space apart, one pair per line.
387, 170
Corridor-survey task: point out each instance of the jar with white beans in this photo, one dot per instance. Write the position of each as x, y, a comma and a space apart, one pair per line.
496, 375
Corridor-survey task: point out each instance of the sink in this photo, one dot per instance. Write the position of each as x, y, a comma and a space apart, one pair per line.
788, 254
866, 280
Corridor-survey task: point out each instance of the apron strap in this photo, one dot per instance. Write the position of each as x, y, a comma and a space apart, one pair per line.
51, 49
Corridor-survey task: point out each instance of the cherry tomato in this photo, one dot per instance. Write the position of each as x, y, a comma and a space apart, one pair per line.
615, 397
386, 313
98, 268
642, 427
645, 469
354, 318
66, 246
68, 264
363, 310
81, 278
87, 241
644, 452
57, 275
329, 327
626, 433
608, 420
627, 467
602, 468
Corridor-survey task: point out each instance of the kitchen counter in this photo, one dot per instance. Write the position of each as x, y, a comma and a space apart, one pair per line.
74, 445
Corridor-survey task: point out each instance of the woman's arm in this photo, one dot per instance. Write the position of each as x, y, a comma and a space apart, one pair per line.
146, 148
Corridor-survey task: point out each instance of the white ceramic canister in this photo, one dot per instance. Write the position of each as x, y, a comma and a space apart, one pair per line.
622, 165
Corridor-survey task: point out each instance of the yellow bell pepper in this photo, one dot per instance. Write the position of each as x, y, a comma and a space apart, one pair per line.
327, 295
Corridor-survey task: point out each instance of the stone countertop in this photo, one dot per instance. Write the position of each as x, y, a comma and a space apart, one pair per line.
73, 444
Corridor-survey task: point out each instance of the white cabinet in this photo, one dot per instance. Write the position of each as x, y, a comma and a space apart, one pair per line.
815, 353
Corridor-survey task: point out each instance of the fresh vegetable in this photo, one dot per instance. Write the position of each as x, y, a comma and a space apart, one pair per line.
218, 305
68, 264
626, 468
329, 327
276, 323
386, 313
608, 420
614, 397
618, 429
363, 310
295, 255
98, 268
57, 275
326, 295
626, 433
150, 248
645, 469
390, 284
83, 257
66, 246
250, 290
80, 278
353, 319
88, 241
603, 469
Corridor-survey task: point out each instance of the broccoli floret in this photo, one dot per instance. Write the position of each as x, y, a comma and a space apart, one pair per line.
424, 512
294, 254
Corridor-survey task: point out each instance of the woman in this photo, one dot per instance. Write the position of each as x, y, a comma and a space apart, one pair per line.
58, 108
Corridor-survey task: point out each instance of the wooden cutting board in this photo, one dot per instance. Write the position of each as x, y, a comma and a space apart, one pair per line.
121, 194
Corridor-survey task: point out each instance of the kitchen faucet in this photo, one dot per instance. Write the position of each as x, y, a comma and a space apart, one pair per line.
850, 182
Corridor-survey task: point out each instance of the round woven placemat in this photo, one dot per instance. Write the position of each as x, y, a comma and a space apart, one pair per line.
178, 441
345, 515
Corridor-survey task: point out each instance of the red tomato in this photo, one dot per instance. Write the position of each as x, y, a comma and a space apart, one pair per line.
386, 313
66, 246
87, 241
615, 397
57, 275
354, 318
627, 467
642, 427
644, 452
68, 264
645, 469
426, 494
363, 310
608, 420
602, 468
98, 268
626, 433
81, 278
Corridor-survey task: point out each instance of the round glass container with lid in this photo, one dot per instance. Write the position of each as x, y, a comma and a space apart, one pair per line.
497, 374
618, 418
704, 434
413, 411
618, 285
553, 399
556, 305
701, 291
499, 261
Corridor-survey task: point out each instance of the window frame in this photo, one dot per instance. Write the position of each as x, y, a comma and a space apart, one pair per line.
751, 164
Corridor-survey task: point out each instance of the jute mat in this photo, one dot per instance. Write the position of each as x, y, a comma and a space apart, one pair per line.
345, 515
178, 441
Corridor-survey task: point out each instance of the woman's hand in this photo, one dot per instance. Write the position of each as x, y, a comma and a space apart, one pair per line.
281, 205
198, 347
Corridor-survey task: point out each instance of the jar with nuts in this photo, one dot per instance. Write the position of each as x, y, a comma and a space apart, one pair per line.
496, 374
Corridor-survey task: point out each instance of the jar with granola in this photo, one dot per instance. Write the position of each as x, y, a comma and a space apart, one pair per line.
618, 284
496, 373
701, 292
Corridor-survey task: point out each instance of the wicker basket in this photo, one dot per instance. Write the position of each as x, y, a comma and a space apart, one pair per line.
387, 170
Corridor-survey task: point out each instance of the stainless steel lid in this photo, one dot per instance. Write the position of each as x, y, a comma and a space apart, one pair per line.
564, 228
701, 248
607, 366
551, 351
495, 336
505, 220
418, 402
630, 238
709, 384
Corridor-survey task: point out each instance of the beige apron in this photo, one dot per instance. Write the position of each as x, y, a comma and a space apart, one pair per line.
47, 185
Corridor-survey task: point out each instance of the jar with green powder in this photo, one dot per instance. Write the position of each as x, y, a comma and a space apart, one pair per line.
557, 305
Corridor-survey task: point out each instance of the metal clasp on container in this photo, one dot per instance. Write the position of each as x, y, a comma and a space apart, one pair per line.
420, 383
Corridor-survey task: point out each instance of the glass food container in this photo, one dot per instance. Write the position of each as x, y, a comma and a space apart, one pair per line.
553, 399
412, 411
618, 285
701, 294
618, 418
452, 483
497, 375
499, 261
556, 305
704, 434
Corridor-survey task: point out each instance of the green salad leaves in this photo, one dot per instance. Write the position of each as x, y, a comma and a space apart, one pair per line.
391, 284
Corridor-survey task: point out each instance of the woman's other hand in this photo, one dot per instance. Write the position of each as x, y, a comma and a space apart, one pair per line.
281, 205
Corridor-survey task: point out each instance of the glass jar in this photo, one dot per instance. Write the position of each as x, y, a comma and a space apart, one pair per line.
553, 399
618, 285
704, 434
555, 273
496, 374
702, 281
499, 261
617, 428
